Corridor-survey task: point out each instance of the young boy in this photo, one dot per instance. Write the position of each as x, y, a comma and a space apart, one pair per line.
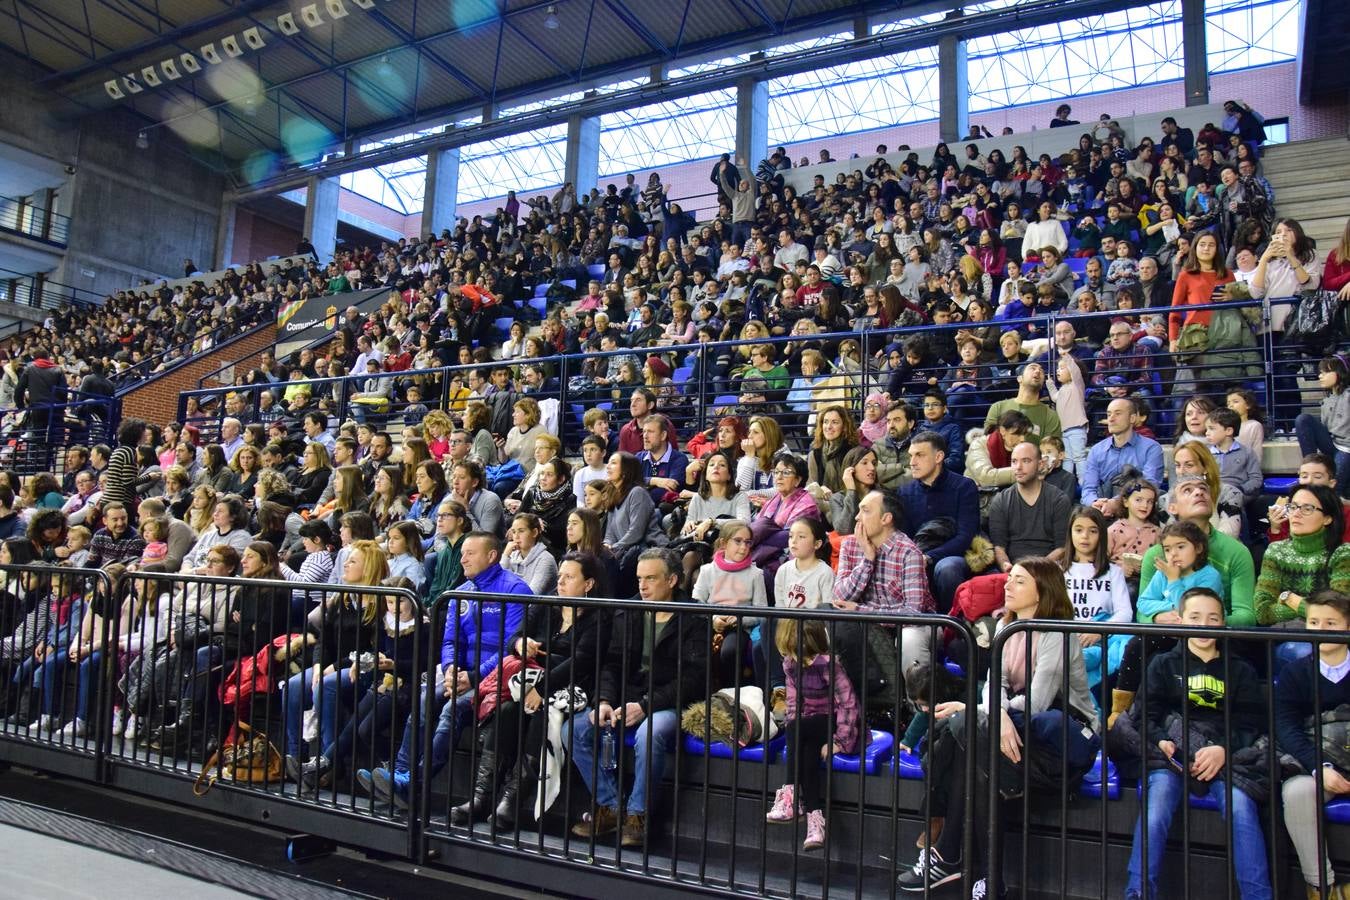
1193, 681
593, 453
416, 410
1323, 677
1238, 466
935, 418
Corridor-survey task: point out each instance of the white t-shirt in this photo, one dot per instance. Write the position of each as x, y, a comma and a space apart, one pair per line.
1104, 599
796, 589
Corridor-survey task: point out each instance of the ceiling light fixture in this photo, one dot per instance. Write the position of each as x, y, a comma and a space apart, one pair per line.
551, 20
142, 142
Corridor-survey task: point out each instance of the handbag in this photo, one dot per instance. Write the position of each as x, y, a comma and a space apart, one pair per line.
1315, 320
252, 759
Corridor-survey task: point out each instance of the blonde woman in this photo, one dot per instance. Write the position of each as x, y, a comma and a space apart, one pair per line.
754, 470
199, 513
519, 442
345, 623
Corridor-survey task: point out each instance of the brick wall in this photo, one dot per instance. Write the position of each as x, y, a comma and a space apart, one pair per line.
157, 402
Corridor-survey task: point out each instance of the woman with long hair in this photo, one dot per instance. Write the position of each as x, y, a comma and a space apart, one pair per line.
431, 490
345, 622
635, 523
754, 470
314, 476
246, 465
388, 504
551, 499
836, 434
1033, 706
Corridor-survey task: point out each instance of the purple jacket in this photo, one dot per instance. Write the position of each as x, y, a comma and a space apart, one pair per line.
815, 686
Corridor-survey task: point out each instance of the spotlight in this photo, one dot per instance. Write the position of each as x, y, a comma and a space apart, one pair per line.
211, 54
286, 23
114, 89
364, 4
335, 8
132, 86
189, 63
551, 20
170, 70
253, 37
310, 16
230, 44
142, 142
150, 75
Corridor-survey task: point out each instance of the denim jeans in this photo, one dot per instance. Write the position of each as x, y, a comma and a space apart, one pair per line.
1313, 436
88, 671
46, 675
451, 719
1166, 791
1075, 447
948, 574
656, 735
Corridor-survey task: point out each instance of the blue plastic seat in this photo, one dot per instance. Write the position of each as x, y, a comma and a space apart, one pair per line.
877, 751
569, 282
539, 305
681, 375
1093, 781
541, 290
503, 325
906, 764
1077, 265
595, 270
1028, 268
754, 753
1279, 484
954, 668
1338, 811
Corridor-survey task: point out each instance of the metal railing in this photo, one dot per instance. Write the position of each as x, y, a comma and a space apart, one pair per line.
170, 358
22, 217
39, 292
35, 443
710, 376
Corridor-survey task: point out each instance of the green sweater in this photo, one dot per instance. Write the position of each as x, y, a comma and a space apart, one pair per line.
1044, 419
1297, 564
1234, 564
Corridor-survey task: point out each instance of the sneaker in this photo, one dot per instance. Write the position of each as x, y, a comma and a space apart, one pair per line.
130, 728
931, 869
387, 786
363, 778
634, 831
815, 830
76, 728
294, 770
602, 820
43, 725
784, 806
119, 722
980, 891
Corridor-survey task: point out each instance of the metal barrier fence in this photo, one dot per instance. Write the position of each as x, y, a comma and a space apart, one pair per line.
47, 429
705, 799
22, 217
708, 381
1134, 782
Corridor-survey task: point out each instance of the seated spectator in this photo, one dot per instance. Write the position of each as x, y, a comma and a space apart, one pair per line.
1029, 517
1329, 431
1122, 449
1316, 468
1310, 559
935, 419
1238, 466
937, 492
989, 462
1030, 382
1099, 591
1121, 368
649, 689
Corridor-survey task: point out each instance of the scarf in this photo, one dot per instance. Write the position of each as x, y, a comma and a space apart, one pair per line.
721, 563
544, 499
1000, 457
561, 706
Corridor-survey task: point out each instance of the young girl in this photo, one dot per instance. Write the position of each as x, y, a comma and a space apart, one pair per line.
1252, 432
405, 553
805, 579
822, 719
1131, 536
1203, 710
1070, 404
155, 531
732, 579
1098, 591
1329, 431
1183, 564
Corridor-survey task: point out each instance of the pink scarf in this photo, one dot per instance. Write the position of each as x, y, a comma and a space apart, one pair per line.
721, 562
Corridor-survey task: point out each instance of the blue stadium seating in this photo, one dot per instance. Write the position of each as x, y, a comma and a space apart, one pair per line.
753, 753
1093, 782
595, 270
877, 751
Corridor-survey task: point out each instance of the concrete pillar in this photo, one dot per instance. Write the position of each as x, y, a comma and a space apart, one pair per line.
953, 90
1194, 52
225, 234
582, 167
752, 124
442, 189
321, 216
862, 27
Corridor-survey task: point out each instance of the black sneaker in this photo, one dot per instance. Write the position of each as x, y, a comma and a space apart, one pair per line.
931, 869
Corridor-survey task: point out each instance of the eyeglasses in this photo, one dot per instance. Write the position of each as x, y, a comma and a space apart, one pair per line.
784, 473
1308, 509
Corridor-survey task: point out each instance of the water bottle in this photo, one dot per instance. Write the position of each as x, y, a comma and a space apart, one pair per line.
608, 760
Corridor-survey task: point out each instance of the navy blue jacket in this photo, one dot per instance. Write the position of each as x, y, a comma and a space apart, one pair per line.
951, 495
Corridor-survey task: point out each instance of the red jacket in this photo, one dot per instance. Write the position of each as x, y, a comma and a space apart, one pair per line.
979, 596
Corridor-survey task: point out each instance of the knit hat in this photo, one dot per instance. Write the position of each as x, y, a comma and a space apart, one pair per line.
658, 366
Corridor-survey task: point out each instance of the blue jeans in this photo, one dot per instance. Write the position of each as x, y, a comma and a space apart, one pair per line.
659, 732
88, 671
1047, 733
1166, 792
450, 723
46, 675
948, 574
336, 689
1313, 436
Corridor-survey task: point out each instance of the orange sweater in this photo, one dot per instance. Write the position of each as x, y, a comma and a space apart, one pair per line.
1194, 289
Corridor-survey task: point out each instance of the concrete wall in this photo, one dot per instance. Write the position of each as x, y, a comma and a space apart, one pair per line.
258, 237
135, 214
157, 402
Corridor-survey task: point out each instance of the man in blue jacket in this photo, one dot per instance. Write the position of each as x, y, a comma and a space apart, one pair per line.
938, 492
476, 632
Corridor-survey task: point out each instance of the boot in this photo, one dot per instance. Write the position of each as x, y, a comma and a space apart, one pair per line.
476, 808
1120, 702
24, 710
505, 814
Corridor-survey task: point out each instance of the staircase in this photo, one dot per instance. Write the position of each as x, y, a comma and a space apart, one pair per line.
1310, 184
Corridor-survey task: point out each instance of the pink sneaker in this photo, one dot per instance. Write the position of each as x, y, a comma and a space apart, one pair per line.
815, 830
784, 806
